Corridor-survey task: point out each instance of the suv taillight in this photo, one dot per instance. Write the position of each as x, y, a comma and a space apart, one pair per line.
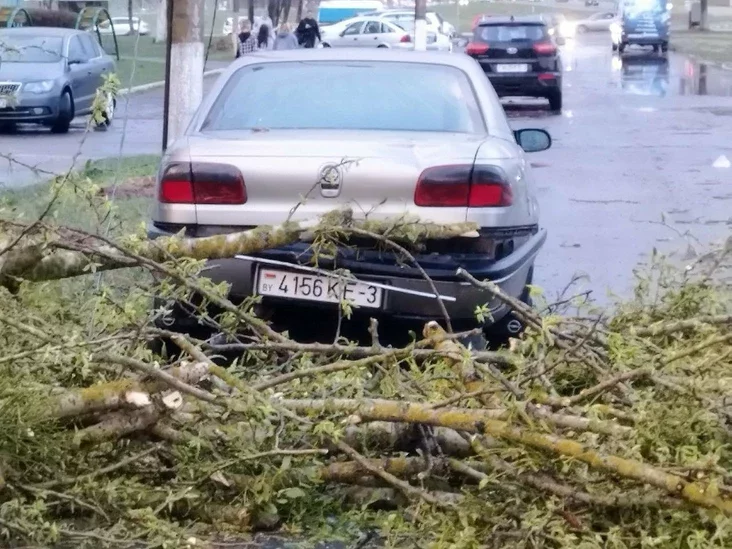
463, 185
545, 48
405, 39
201, 183
476, 48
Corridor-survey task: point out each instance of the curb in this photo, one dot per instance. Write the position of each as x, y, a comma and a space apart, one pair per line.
160, 84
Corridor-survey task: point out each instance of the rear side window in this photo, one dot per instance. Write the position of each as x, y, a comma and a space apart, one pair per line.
510, 33
89, 45
347, 96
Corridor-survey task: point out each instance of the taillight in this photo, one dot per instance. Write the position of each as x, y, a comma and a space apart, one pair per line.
463, 185
476, 48
202, 183
405, 39
545, 48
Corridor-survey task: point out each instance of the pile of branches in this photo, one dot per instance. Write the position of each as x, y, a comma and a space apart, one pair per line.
592, 430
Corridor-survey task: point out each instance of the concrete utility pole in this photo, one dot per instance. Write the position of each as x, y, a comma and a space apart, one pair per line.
704, 24
420, 25
184, 66
161, 22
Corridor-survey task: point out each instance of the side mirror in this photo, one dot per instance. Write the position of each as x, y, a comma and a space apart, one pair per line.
533, 140
560, 41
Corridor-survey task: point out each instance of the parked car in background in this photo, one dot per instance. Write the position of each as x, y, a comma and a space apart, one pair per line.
363, 32
442, 152
50, 75
519, 57
122, 26
370, 32
435, 22
596, 22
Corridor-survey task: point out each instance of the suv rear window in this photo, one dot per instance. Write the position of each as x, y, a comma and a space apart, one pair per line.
347, 95
518, 32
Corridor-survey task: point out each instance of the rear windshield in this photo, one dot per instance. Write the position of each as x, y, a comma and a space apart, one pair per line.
510, 33
30, 49
347, 95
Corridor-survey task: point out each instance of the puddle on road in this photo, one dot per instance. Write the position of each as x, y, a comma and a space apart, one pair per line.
646, 73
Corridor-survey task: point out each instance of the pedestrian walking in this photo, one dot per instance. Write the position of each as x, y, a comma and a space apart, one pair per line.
247, 41
265, 37
285, 39
308, 32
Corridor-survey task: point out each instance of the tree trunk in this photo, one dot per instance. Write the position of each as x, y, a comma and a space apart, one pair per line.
129, 17
299, 10
161, 22
250, 11
286, 6
273, 10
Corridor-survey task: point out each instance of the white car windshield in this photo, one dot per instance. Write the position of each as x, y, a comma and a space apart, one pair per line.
357, 96
30, 49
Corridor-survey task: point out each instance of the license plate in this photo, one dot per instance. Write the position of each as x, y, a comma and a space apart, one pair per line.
514, 67
313, 287
3, 103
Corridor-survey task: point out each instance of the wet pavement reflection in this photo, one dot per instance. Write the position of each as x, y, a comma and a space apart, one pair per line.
646, 73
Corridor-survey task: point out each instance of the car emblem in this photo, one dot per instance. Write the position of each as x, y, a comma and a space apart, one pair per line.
511, 50
330, 180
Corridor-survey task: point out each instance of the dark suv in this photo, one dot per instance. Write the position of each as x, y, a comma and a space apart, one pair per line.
520, 57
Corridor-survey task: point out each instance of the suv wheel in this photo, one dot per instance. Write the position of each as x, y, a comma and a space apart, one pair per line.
555, 101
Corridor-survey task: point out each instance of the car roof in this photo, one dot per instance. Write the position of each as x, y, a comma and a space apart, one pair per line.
357, 54
41, 31
503, 19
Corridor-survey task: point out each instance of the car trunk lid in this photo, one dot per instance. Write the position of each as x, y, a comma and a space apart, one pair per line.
316, 172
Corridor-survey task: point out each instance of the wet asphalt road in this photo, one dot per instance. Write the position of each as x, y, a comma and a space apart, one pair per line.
635, 144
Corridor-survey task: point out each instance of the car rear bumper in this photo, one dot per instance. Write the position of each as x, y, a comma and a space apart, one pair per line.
641, 40
530, 84
509, 273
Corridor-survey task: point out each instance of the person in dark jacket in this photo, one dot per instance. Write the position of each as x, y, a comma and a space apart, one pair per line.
308, 32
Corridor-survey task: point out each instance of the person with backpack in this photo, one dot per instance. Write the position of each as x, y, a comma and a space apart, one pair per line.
308, 31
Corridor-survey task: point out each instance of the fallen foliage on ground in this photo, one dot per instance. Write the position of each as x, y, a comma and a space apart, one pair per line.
593, 430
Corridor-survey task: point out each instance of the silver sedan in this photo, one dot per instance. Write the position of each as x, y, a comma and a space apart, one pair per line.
361, 132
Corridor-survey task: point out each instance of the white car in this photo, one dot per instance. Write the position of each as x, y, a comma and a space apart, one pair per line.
597, 22
372, 32
435, 22
363, 32
122, 26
